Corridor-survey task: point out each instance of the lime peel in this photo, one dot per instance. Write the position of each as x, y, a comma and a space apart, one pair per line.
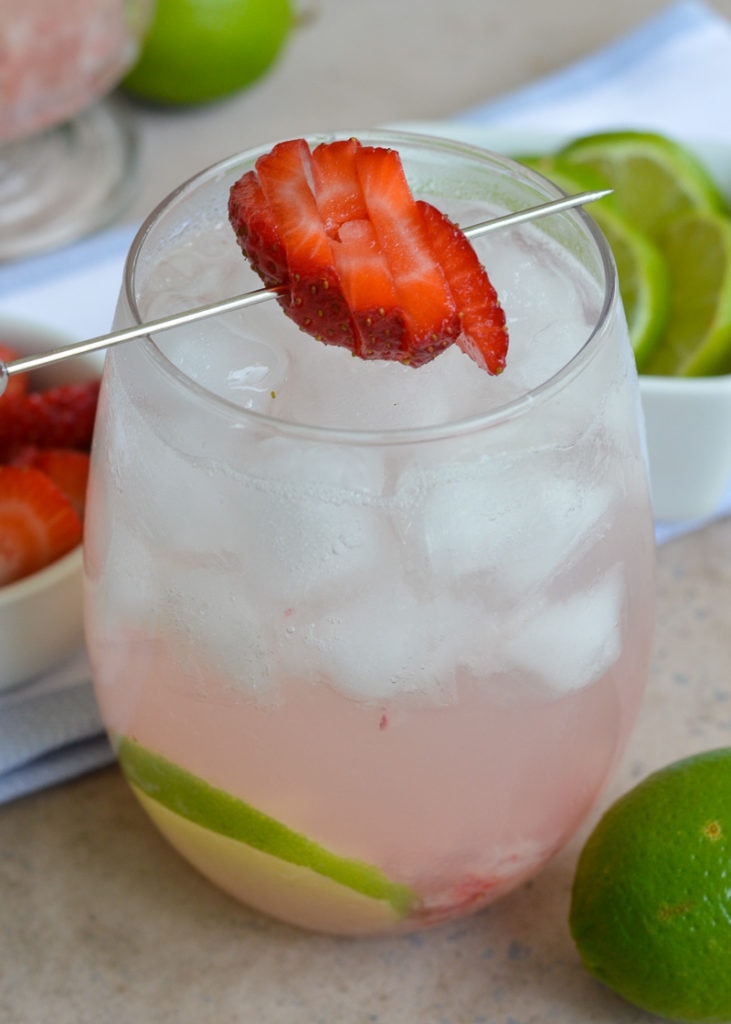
655, 178
200, 50
642, 272
212, 808
697, 249
650, 908
669, 228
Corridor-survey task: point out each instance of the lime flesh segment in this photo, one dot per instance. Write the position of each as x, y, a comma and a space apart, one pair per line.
644, 283
654, 178
269, 884
642, 272
697, 342
212, 809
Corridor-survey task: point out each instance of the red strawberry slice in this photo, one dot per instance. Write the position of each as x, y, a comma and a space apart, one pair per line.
315, 300
379, 327
483, 335
421, 288
61, 417
336, 184
376, 326
38, 523
17, 382
339, 229
256, 231
68, 468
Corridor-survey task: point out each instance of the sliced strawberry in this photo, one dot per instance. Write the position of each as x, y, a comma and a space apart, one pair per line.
339, 230
67, 467
61, 417
315, 300
421, 288
336, 184
256, 231
484, 335
17, 382
22, 455
366, 282
392, 285
38, 523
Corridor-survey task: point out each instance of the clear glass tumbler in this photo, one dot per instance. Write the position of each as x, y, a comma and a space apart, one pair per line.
370, 640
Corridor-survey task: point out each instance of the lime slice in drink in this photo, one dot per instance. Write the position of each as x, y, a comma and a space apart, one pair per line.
697, 343
654, 178
641, 269
258, 859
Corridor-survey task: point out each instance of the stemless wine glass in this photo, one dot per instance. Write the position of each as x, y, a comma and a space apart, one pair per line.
369, 640
66, 155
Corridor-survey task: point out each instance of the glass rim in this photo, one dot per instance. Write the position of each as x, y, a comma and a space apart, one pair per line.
509, 410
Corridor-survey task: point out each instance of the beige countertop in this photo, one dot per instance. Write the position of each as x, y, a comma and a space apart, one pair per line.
100, 922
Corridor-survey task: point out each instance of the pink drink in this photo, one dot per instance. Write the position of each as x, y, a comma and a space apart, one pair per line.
370, 640
58, 56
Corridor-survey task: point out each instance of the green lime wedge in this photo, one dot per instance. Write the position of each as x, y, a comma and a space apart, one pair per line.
697, 343
641, 269
569, 178
654, 178
644, 283
257, 857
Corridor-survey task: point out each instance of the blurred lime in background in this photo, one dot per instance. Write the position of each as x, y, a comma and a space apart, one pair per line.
201, 50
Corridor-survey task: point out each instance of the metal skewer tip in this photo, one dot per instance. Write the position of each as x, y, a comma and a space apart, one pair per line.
78, 348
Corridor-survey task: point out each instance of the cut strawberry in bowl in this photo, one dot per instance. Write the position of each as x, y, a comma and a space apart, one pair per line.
46, 423
66, 467
359, 261
38, 523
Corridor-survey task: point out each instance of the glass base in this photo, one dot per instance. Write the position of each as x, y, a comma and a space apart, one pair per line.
66, 182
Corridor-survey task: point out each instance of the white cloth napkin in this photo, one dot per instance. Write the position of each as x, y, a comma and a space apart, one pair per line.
670, 75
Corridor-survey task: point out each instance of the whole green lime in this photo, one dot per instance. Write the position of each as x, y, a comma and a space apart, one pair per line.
200, 50
651, 900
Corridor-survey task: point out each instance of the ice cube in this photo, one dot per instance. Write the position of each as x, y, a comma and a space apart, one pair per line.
568, 643
517, 521
385, 642
218, 634
308, 517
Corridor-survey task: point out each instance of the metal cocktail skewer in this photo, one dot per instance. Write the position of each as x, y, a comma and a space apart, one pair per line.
33, 362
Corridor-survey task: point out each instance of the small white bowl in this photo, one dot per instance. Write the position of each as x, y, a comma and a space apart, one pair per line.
688, 426
41, 615
40, 620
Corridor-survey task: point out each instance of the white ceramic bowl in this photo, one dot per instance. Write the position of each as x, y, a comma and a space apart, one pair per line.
688, 420
688, 425
41, 615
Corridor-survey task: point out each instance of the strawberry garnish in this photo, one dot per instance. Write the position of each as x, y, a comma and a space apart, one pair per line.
483, 334
38, 523
60, 417
17, 384
358, 261
256, 231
